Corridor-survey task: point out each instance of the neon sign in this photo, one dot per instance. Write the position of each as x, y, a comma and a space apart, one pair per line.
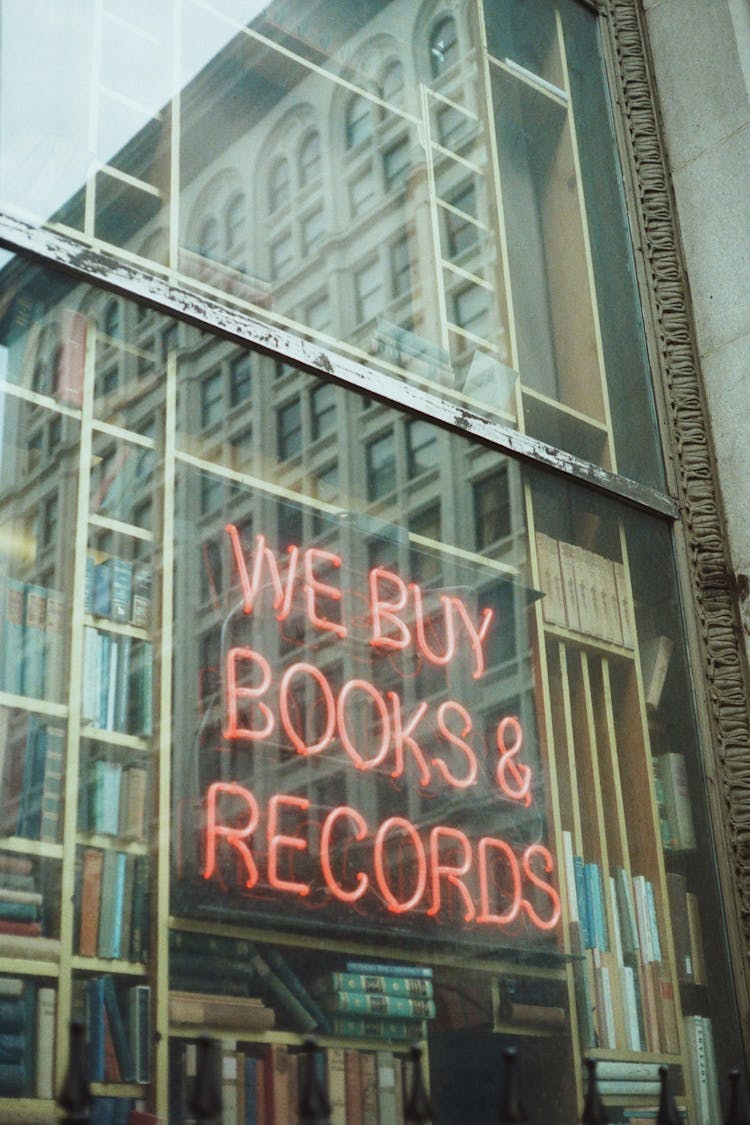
288, 846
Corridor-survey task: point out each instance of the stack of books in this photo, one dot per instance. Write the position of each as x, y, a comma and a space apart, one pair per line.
27, 1034
378, 1001
22, 912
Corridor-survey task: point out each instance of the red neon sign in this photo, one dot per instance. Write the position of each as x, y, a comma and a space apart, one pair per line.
288, 844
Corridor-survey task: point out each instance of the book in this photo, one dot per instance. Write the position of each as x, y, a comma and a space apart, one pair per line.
119, 1034
131, 824
106, 778
139, 1030
95, 1030
696, 939
54, 646
276, 1083
377, 1004
550, 578
141, 604
369, 1087
678, 910
336, 1080
389, 1096
239, 1012
91, 889
353, 1086
35, 610
278, 964
364, 984
386, 969
280, 994
377, 1027
13, 635
674, 779
40, 949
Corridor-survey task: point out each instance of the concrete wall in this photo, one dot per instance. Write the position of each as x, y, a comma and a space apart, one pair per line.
701, 54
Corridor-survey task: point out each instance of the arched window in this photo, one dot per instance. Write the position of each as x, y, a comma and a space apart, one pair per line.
393, 83
208, 238
309, 158
358, 120
443, 46
279, 189
234, 221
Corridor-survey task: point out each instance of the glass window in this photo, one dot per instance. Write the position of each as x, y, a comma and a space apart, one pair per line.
310, 159
289, 429
208, 238
111, 319
381, 466
323, 403
453, 126
400, 267
361, 191
313, 229
393, 83
421, 447
443, 47
461, 233
318, 313
492, 511
240, 379
212, 399
279, 185
282, 254
396, 164
368, 290
234, 221
471, 310
358, 120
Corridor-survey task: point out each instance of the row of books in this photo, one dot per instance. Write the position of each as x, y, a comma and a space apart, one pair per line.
676, 824
119, 590
27, 1036
117, 682
261, 1084
32, 756
32, 619
114, 801
584, 592
112, 905
118, 1030
624, 985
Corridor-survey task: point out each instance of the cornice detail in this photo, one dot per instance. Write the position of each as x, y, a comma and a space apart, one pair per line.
711, 572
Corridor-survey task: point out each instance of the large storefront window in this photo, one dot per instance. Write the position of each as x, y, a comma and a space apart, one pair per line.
320, 718
435, 193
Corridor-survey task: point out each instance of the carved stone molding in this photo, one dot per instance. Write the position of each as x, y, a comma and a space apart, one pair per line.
712, 578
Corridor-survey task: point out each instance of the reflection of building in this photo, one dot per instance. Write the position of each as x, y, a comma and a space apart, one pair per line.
439, 215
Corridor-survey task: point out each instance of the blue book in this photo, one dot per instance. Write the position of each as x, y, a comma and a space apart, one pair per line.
12, 1047
102, 686
251, 1091
30, 801
121, 588
106, 939
103, 1111
122, 684
105, 796
88, 589
95, 1028
12, 1079
375, 968
13, 1013
584, 903
119, 901
593, 878
34, 640
13, 629
117, 1027
103, 589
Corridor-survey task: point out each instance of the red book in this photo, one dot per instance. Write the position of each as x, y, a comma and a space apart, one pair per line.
30, 929
91, 890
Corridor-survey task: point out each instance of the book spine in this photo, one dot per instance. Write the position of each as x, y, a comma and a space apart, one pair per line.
119, 1036
91, 889
276, 988
366, 1004
122, 589
13, 636
416, 987
49, 829
95, 1028
377, 968
35, 610
279, 965
336, 1067
365, 1027
45, 1042
54, 654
